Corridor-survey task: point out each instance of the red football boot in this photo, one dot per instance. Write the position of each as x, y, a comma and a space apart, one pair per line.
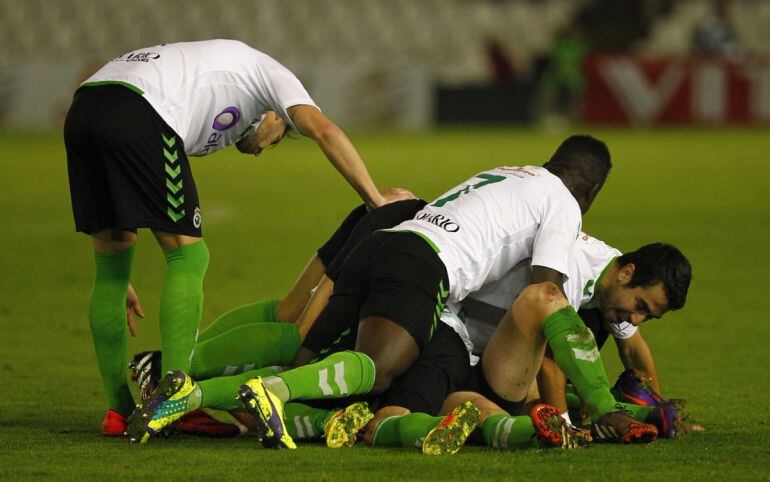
114, 424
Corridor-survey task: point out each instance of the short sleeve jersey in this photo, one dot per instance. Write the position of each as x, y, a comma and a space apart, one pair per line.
208, 92
490, 223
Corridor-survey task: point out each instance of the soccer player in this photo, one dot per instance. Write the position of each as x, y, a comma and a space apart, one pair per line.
128, 134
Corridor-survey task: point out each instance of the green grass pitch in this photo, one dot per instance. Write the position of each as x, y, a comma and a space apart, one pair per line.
706, 191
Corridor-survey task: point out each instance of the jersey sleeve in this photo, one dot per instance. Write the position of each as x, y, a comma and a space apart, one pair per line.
621, 331
284, 89
557, 233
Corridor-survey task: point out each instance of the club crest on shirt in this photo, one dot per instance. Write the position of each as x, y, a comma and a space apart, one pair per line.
197, 218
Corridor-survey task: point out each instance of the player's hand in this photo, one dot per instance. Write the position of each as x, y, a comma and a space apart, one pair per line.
393, 194
133, 308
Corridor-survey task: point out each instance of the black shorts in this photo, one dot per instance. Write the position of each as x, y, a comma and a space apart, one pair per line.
593, 320
477, 382
442, 368
127, 167
334, 245
394, 275
383, 217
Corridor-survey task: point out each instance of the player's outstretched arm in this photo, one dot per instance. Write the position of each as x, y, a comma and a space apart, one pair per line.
635, 353
312, 123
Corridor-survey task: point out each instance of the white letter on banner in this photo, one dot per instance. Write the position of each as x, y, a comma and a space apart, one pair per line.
641, 101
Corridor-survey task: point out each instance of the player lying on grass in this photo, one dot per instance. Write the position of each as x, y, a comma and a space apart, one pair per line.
626, 290
128, 135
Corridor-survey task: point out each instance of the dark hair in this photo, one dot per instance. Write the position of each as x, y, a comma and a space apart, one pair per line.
583, 158
659, 262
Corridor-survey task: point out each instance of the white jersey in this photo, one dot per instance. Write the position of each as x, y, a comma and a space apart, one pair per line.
495, 220
482, 310
209, 92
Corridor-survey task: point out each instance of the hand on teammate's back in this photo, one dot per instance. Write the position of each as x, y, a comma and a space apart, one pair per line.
393, 194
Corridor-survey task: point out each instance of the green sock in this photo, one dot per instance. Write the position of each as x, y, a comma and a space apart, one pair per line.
220, 393
575, 351
573, 399
304, 422
107, 316
638, 412
244, 348
339, 375
261, 312
405, 430
181, 304
509, 432
387, 433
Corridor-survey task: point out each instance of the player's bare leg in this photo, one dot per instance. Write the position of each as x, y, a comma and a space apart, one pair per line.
513, 356
391, 348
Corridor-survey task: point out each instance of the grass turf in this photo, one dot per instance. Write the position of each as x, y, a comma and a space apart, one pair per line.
705, 191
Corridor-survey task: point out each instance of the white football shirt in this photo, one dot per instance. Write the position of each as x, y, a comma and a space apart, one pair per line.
482, 310
490, 223
209, 92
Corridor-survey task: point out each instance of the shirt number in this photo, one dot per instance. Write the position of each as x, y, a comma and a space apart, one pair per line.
488, 179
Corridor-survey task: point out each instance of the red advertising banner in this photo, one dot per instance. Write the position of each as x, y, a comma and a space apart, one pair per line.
631, 90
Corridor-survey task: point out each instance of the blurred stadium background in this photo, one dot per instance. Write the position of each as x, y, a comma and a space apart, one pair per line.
415, 64
430, 91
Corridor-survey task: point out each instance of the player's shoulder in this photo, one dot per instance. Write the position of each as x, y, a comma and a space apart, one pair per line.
594, 252
587, 243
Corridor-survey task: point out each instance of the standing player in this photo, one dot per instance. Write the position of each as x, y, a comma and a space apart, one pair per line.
128, 133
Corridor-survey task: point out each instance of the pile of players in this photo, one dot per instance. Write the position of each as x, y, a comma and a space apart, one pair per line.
416, 324
440, 316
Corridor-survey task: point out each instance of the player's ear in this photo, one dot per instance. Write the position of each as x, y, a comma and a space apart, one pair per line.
626, 273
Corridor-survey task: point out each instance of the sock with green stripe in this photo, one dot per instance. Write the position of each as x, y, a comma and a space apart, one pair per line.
339, 375
261, 312
405, 430
244, 348
181, 304
107, 317
508, 432
575, 351
220, 393
304, 422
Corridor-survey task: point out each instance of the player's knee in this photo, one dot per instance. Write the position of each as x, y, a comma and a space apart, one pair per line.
538, 301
